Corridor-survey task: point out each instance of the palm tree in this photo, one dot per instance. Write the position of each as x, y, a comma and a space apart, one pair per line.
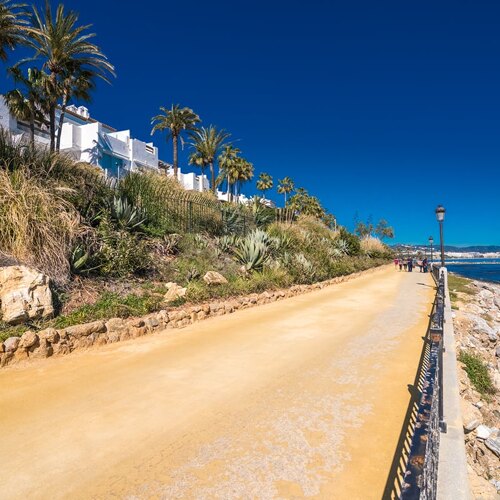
285, 186
207, 143
76, 82
60, 43
29, 106
243, 172
175, 120
12, 25
227, 167
199, 161
264, 183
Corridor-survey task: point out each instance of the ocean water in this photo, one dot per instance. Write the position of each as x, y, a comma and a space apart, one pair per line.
478, 269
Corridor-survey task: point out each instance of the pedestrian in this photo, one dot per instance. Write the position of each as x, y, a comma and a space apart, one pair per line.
425, 264
405, 264
396, 262
400, 260
410, 265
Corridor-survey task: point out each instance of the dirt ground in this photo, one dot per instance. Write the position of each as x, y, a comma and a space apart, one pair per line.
300, 398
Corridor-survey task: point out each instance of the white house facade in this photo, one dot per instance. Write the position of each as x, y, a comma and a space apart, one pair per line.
88, 140
116, 152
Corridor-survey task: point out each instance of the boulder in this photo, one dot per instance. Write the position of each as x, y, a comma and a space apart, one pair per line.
51, 335
86, 329
483, 432
24, 294
493, 445
174, 292
480, 326
214, 278
28, 339
471, 416
10, 345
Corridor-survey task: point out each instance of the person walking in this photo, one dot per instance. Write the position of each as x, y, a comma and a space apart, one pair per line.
405, 264
400, 260
410, 265
396, 262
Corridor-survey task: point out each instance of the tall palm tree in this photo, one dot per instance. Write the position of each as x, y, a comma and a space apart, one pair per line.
243, 172
12, 25
29, 106
207, 142
60, 43
227, 162
264, 183
285, 186
199, 161
175, 120
75, 82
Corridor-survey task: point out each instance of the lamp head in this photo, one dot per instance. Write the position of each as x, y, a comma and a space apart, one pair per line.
440, 211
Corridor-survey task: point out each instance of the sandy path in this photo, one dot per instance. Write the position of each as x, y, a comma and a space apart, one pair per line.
300, 398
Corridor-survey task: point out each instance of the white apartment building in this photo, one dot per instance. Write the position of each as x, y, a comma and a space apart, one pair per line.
88, 140
116, 152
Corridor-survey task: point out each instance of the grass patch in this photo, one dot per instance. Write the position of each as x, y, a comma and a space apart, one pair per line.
459, 284
7, 330
112, 305
477, 372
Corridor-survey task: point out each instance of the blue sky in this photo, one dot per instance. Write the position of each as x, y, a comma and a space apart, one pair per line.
378, 108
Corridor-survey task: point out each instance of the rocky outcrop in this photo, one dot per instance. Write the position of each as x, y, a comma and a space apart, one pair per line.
24, 295
174, 292
214, 278
476, 325
55, 342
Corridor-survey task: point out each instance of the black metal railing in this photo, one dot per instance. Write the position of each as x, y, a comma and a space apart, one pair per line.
420, 476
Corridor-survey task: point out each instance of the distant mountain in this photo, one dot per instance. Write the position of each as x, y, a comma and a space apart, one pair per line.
450, 248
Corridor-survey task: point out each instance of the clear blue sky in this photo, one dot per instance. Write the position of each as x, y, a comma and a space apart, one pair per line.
381, 108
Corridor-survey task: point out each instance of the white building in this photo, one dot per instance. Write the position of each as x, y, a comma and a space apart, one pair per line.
116, 152
88, 140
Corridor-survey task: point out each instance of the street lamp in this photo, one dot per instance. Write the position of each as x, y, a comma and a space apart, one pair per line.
440, 211
431, 244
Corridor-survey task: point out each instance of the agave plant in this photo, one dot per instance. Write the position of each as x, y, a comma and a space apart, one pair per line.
226, 243
125, 215
78, 259
252, 253
200, 241
341, 247
305, 265
192, 274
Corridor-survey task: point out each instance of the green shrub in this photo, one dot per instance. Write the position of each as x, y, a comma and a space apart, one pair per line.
477, 372
120, 253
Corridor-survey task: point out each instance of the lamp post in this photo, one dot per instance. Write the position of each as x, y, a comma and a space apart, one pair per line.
431, 244
440, 211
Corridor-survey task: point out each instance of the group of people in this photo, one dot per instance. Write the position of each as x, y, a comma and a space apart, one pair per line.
409, 263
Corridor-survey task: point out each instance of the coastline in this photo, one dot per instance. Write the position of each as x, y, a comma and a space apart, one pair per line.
476, 320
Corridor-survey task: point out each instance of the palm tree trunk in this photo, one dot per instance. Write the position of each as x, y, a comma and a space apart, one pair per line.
175, 146
52, 126
202, 178
61, 122
212, 176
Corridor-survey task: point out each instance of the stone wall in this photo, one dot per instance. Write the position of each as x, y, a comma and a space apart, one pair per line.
52, 342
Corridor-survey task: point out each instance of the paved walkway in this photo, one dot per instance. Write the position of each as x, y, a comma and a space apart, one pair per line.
300, 398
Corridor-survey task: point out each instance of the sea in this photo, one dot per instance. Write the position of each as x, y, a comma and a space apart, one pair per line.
477, 269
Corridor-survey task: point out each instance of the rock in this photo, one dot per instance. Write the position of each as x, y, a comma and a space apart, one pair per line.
493, 445
11, 344
174, 292
214, 278
50, 335
28, 339
471, 416
497, 352
86, 329
496, 379
479, 325
24, 294
483, 432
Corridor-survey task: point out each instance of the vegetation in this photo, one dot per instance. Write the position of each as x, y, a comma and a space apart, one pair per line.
89, 232
457, 284
477, 372
175, 120
265, 183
